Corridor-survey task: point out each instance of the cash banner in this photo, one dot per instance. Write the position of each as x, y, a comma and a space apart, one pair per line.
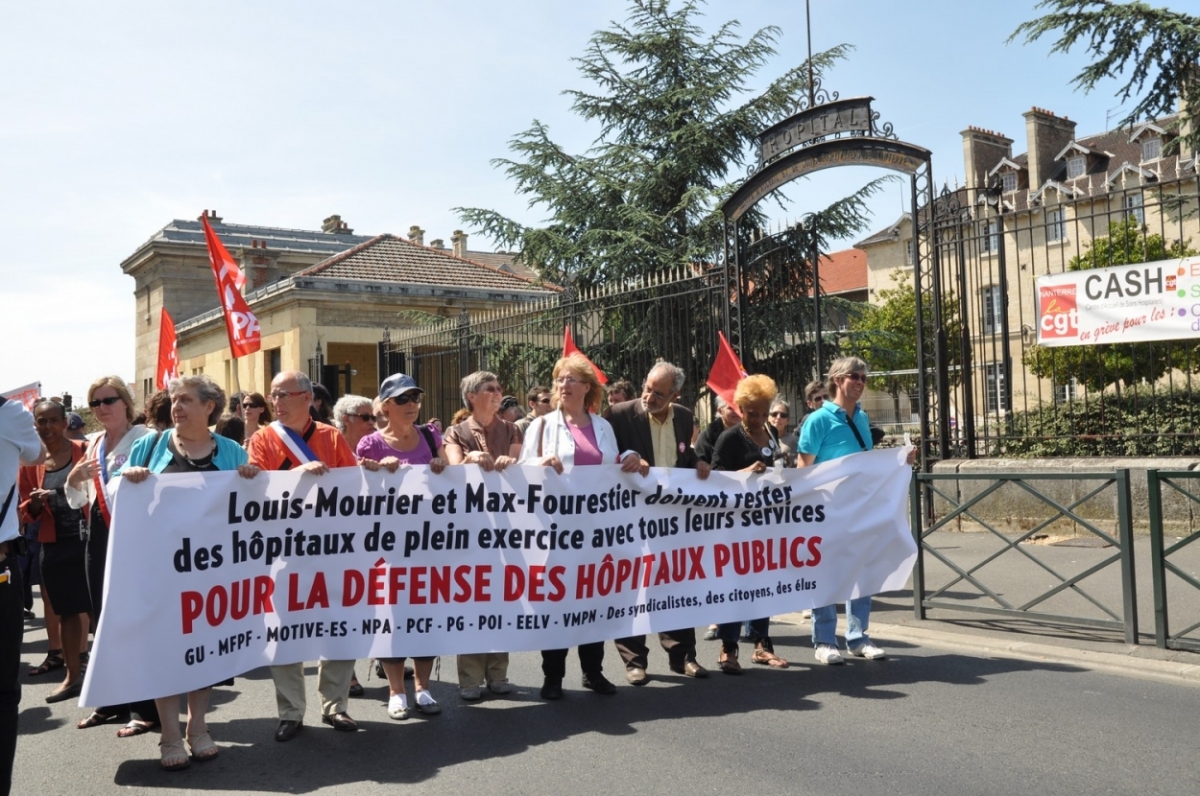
212, 575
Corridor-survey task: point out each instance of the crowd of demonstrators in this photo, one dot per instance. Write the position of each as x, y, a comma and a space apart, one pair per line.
656, 431
403, 442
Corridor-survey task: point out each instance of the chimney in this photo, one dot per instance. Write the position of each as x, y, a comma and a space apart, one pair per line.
213, 218
335, 226
416, 235
1047, 135
437, 243
982, 150
459, 241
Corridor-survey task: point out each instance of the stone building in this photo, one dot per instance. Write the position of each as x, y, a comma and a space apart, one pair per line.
324, 297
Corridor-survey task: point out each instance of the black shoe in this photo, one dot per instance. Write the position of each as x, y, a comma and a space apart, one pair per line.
552, 688
287, 730
341, 721
598, 683
356, 689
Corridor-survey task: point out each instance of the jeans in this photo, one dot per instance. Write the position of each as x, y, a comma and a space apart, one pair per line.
12, 626
858, 617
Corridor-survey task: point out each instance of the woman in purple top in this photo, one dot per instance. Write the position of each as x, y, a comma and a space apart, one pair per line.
399, 442
573, 436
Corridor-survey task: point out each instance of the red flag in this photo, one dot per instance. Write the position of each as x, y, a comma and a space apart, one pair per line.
726, 371
244, 334
168, 352
570, 348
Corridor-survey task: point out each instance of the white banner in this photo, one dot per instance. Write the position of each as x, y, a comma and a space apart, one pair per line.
28, 395
1121, 304
212, 575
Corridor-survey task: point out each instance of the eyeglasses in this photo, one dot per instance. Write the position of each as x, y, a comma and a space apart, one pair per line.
784, 415
279, 395
364, 418
253, 406
856, 377
567, 381
109, 401
545, 400
818, 398
401, 400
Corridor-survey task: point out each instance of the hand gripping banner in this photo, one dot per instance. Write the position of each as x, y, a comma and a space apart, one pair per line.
212, 575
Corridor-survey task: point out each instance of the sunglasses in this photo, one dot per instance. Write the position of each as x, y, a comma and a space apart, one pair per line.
253, 406
364, 418
401, 400
543, 400
784, 415
105, 401
857, 377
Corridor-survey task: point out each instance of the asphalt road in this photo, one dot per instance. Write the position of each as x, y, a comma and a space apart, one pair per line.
927, 720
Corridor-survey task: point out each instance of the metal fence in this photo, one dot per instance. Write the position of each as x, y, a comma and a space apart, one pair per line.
1174, 566
1007, 396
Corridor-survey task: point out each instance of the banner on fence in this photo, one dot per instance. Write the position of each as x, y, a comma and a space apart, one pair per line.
1121, 304
211, 575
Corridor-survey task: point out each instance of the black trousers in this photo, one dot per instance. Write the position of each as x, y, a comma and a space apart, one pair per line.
680, 646
12, 627
591, 660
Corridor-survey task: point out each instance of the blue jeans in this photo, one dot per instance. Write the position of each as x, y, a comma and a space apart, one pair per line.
858, 617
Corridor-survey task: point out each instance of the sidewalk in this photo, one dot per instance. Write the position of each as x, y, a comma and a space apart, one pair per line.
1018, 580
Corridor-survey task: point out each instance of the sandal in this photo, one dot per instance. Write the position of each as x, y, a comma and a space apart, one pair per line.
203, 748
173, 756
768, 658
95, 720
135, 728
54, 660
728, 662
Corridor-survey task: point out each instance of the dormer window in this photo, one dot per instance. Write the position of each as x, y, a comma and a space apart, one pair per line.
1008, 181
1151, 149
1076, 166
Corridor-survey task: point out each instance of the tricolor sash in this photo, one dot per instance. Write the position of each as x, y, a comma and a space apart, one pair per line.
99, 479
294, 443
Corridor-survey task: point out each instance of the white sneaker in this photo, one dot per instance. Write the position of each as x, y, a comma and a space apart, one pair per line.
867, 650
500, 687
472, 694
828, 655
398, 707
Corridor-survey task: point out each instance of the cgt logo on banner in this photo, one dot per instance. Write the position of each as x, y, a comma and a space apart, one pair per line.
292, 567
1059, 315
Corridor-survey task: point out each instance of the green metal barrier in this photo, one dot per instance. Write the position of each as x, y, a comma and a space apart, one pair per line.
1156, 480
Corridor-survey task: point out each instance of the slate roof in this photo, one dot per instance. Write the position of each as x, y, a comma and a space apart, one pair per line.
388, 258
885, 235
238, 235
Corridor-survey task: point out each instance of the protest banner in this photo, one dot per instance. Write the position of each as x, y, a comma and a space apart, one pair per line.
1120, 304
29, 395
212, 575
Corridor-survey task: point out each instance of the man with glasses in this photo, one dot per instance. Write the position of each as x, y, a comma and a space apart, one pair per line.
538, 400
659, 431
295, 442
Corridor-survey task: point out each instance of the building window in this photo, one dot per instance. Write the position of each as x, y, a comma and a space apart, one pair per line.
1056, 226
908, 252
992, 307
1008, 181
1133, 207
991, 238
1066, 392
997, 400
274, 364
1151, 149
1076, 166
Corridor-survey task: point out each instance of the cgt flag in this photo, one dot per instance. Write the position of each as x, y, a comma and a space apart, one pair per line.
168, 351
569, 348
726, 371
244, 334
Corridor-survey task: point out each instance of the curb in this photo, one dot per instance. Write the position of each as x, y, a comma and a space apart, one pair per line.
1124, 663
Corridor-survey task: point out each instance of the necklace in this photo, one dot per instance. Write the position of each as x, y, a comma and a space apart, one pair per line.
199, 460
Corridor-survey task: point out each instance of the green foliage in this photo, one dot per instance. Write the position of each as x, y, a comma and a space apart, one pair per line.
676, 119
1142, 423
1156, 45
1121, 364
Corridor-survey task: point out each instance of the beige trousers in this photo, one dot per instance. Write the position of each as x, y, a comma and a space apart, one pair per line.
480, 667
333, 684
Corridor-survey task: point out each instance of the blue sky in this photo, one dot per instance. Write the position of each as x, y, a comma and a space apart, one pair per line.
121, 116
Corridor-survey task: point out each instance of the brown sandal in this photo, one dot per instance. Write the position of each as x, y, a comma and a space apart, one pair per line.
768, 658
727, 662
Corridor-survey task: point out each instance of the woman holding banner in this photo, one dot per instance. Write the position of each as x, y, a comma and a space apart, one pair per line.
493, 443
749, 447
402, 441
573, 435
112, 405
189, 447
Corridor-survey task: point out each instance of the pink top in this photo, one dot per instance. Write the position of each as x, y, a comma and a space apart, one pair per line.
586, 449
375, 447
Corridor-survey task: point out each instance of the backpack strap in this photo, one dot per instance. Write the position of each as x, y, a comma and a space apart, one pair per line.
428, 435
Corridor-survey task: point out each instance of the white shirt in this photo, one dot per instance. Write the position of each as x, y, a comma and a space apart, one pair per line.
555, 439
114, 460
19, 440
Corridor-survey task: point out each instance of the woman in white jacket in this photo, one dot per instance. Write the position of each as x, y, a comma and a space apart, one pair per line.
573, 435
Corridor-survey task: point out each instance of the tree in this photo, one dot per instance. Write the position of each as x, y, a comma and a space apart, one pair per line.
1158, 46
676, 120
1098, 366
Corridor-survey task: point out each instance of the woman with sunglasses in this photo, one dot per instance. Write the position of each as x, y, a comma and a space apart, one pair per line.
493, 443
107, 454
573, 435
778, 419
402, 441
255, 413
